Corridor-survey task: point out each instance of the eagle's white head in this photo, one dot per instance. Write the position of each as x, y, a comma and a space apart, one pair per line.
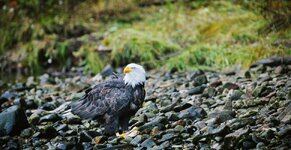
134, 74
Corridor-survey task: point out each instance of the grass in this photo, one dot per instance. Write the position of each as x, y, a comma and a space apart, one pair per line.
180, 35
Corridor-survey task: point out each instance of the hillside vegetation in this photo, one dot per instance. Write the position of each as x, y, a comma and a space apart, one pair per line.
178, 35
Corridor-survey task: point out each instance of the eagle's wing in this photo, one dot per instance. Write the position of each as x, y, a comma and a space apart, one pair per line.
109, 97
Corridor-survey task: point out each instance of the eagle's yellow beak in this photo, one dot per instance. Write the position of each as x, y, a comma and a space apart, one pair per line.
127, 70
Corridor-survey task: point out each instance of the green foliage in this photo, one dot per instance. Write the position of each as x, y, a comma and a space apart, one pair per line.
134, 46
94, 63
177, 34
32, 55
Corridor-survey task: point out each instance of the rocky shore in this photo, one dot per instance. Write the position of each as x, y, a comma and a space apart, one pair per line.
182, 110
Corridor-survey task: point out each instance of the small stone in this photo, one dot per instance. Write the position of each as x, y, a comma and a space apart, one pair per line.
148, 143
34, 118
172, 116
278, 70
231, 139
167, 137
215, 83
27, 132
62, 127
235, 95
223, 116
287, 119
284, 132
50, 118
196, 90
209, 92
107, 71
72, 119
48, 132
229, 85
49, 106
221, 130
7, 95
249, 145
258, 91
179, 128
192, 113
260, 146
136, 140
200, 80
158, 121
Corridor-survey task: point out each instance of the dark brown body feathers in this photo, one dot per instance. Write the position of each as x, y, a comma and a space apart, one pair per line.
112, 102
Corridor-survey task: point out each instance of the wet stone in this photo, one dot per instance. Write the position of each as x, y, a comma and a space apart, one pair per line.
221, 130
12, 121
248, 144
192, 113
7, 95
168, 136
148, 143
48, 132
235, 95
50, 118
229, 85
27, 132
223, 116
136, 140
49, 106
196, 90
215, 83
199, 80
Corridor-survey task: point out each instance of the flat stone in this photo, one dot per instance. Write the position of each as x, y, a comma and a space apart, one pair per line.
13, 121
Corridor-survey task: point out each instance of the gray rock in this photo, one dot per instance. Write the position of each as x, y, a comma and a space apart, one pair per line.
72, 119
231, 140
221, 130
196, 90
248, 145
215, 83
12, 121
209, 92
107, 71
48, 132
222, 116
200, 80
172, 116
241, 122
259, 90
136, 140
284, 132
235, 95
50, 118
34, 118
27, 132
168, 136
148, 143
182, 107
7, 95
261, 146
192, 113
158, 121
229, 85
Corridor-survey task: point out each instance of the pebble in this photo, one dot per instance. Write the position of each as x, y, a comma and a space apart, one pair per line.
182, 110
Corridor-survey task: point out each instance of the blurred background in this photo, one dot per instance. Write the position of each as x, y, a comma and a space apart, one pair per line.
38, 36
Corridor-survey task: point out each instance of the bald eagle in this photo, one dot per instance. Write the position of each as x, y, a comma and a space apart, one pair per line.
113, 102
